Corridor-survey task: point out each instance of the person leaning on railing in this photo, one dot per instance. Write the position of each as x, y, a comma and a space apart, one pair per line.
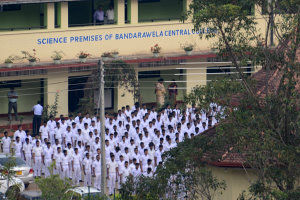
99, 16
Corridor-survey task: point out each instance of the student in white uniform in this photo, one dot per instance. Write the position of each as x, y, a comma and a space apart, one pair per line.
76, 167
125, 171
57, 160
97, 172
18, 147
112, 173
27, 151
136, 172
87, 170
19, 133
47, 158
64, 165
44, 131
58, 133
37, 153
5, 143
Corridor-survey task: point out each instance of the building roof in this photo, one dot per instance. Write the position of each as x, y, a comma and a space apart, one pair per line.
267, 81
10, 2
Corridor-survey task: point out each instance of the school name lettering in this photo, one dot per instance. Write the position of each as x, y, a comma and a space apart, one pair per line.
123, 36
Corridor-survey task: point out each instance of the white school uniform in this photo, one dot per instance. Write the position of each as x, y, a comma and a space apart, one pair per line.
6, 141
112, 166
97, 167
38, 152
87, 163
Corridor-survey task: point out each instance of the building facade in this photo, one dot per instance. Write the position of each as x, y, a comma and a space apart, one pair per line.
68, 26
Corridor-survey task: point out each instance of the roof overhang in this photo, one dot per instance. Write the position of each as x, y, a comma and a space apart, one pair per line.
10, 2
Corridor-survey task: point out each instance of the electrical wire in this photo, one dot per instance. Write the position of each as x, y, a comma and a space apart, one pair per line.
167, 81
82, 89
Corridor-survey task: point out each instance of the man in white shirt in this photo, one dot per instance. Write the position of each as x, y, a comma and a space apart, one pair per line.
19, 133
97, 172
58, 133
37, 153
57, 160
27, 151
158, 153
87, 170
143, 159
125, 171
47, 158
5, 143
112, 172
76, 167
110, 14
44, 131
64, 165
136, 171
51, 124
87, 119
18, 147
37, 117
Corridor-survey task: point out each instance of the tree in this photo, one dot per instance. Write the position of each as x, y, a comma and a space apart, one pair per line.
50, 110
53, 187
260, 113
262, 121
117, 73
183, 175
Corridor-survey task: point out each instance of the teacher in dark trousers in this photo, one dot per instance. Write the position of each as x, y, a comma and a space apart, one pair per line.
37, 118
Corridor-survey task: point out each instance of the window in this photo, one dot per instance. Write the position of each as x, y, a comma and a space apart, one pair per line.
14, 7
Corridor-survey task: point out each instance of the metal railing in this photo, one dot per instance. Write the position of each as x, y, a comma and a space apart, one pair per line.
22, 28
160, 20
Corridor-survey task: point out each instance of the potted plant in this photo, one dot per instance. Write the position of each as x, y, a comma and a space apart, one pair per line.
83, 56
188, 48
115, 54
156, 50
10, 60
31, 57
105, 56
57, 56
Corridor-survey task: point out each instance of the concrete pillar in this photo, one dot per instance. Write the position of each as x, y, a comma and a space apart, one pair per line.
186, 7
58, 84
195, 77
119, 11
50, 15
124, 98
64, 15
133, 11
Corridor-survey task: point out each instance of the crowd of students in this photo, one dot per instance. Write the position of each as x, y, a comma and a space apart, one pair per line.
135, 140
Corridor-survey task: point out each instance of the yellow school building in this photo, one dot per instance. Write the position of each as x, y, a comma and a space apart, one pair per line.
68, 26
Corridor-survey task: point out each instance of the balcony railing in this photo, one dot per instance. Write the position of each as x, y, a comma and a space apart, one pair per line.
22, 28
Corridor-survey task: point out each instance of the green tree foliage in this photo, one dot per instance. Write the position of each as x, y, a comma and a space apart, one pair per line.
54, 188
183, 175
262, 126
117, 73
50, 109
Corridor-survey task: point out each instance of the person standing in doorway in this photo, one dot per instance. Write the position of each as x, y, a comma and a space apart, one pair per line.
172, 88
12, 103
160, 92
99, 16
110, 14
37, 118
